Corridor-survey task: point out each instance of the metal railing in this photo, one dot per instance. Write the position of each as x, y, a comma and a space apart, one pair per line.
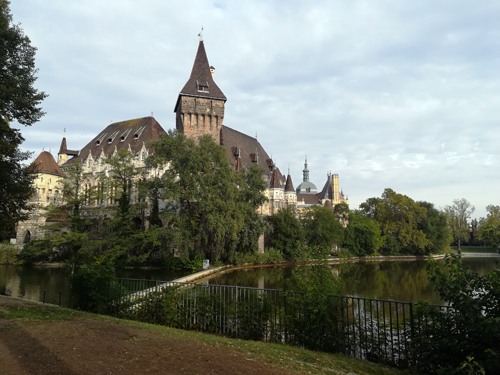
377, 330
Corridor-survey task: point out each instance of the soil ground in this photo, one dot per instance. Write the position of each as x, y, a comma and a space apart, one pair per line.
85, 344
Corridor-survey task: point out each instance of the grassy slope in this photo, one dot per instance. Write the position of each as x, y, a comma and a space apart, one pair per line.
300, 360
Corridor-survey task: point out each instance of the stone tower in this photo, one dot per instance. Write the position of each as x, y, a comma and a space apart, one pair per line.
200, 105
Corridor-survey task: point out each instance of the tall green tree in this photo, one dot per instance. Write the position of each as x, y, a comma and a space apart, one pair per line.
458, 214
398, 216
16, 179
287, 233
362, 235
436, 229
322, 230
19, 99
210, 199
489, 227
20, 102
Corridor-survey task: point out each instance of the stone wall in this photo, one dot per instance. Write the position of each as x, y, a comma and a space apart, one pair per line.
199, 116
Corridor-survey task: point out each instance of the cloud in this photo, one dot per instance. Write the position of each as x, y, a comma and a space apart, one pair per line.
401, 95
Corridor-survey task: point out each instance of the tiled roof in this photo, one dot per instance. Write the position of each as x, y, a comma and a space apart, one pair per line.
289, 184
249, 148
133, 133
45, 162
308, 198
201, 76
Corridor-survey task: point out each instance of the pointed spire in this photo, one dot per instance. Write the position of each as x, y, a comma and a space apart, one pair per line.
306, 171
63, 148
289, 184
275, 181
201, 83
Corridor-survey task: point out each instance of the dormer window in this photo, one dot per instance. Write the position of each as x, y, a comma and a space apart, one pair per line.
125, 135
202, 86
138, 133
112, 137
100, 139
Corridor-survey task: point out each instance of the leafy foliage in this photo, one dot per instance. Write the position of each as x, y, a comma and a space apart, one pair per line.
287, 233
489, 228
471, 326
19, 100
16, 179
209, 201
362, 235
407, 226
8, 253
322, 230
458, 213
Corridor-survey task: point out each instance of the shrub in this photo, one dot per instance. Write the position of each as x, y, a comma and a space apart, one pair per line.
8, 253
469, 328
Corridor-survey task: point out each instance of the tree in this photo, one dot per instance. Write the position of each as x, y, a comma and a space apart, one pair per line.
489, 228
287, 233
19, 99
458, 213
436, 229
16, 180
398, 216
362, 235
322, 230
207, 197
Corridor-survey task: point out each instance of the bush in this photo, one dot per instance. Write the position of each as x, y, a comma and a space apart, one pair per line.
36, 251
469, 328
314, 317
8, 253
96, 289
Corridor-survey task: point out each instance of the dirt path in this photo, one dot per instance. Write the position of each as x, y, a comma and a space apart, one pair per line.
83, 346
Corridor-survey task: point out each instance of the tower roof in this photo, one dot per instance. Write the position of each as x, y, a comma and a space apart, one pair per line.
289, 184
45, 162
201, 82
64, 149
275, 180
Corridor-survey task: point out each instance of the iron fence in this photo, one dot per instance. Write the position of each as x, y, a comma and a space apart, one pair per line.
378, 330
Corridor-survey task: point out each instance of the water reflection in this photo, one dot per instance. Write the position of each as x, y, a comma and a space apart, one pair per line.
32, 283
396, 280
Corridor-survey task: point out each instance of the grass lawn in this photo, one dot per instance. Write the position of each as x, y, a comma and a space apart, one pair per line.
292, 359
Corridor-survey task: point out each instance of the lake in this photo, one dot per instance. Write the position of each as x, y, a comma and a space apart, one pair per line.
396, 280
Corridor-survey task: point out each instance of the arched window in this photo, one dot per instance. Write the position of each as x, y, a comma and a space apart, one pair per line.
27, 237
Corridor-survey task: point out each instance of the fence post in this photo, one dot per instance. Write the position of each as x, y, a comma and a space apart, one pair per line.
412, 334
236, 312
155, 301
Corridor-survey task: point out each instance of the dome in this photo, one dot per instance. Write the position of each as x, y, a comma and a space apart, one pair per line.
307, 187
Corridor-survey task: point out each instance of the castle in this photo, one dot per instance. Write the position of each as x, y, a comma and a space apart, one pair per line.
199, 110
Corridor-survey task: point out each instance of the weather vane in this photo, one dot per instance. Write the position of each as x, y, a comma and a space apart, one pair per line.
201, 34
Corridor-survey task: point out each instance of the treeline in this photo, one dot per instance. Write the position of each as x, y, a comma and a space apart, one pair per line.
393, 224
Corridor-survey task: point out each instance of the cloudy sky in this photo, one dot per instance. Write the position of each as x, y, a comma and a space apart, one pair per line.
399, 94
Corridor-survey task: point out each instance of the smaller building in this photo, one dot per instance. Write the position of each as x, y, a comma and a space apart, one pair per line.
48, 190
